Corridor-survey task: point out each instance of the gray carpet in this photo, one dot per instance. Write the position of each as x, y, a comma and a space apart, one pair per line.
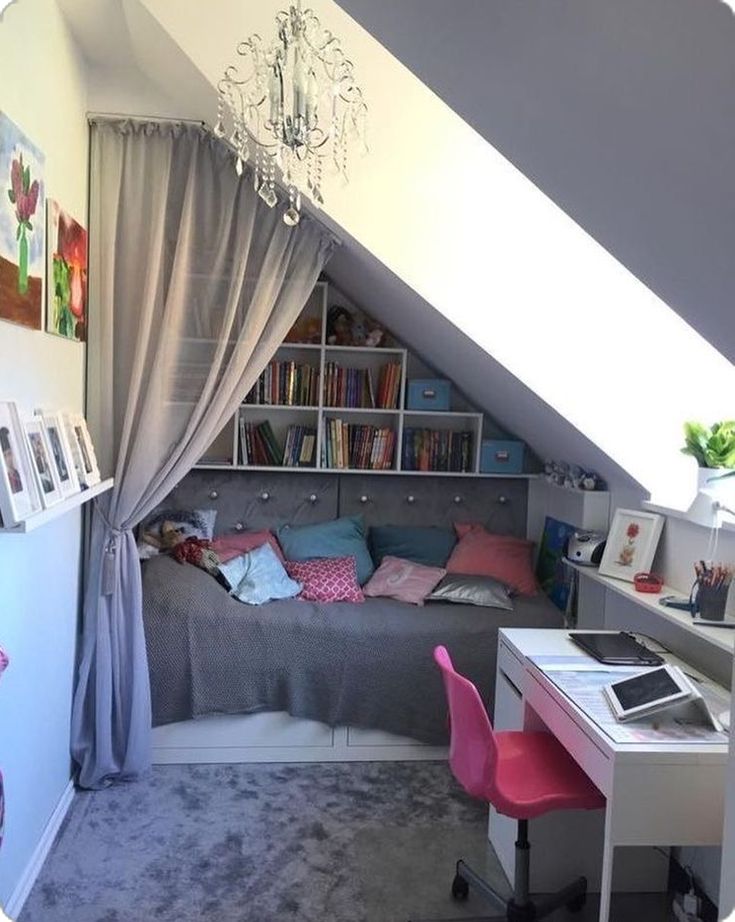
350, 842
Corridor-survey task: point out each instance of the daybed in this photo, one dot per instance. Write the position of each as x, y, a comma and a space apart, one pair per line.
362, 665
347, 665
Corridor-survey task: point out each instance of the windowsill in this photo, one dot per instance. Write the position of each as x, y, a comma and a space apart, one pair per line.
703, 512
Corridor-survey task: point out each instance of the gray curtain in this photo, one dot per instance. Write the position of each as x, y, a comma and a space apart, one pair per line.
194, 282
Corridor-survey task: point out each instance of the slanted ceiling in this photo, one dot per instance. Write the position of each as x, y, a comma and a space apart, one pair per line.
622, 112
147, 55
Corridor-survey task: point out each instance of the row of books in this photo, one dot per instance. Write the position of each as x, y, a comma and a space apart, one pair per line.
348, 387
293, 385
286, 384
437, 450
300, 447
360, 447
389, 386
259, 445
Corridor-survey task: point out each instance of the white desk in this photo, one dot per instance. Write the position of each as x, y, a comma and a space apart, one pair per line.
657, 794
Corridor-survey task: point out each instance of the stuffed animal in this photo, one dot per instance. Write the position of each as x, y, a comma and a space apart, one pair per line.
375, 337
167, 539
197, 551
339, 326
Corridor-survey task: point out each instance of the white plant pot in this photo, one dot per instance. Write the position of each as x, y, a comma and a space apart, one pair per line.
711, 480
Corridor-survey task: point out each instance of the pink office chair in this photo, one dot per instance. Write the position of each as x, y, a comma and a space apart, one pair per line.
522, 775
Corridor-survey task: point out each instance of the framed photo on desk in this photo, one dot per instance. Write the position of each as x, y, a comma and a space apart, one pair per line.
631, 544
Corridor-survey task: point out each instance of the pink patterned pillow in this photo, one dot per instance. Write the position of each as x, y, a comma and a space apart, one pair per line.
404, 580
326, 579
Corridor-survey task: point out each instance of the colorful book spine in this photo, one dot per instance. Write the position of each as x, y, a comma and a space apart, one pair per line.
357, 447
286, 384
435, 450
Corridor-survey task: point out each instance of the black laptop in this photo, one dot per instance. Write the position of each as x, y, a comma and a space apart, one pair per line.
618, 649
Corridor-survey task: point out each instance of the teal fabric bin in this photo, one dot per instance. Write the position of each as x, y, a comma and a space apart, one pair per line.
428, 394
498, 456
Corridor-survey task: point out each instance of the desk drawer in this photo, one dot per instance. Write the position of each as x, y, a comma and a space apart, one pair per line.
575, 739
509, 664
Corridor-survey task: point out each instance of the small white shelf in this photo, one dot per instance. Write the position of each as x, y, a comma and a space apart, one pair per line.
302, 347
373, 411
444, 414
66, 505
723, 638
370, 350
226, 466
278, 407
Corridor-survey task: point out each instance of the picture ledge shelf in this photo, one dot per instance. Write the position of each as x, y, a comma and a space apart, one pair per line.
66, 505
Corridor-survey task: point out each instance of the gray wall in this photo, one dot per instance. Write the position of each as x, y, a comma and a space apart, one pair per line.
622, 112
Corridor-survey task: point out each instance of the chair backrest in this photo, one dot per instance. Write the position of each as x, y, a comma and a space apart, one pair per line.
472, 748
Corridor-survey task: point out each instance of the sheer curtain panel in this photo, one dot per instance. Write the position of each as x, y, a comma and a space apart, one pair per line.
194, 282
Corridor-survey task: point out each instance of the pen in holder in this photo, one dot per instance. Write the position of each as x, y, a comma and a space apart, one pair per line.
708, 598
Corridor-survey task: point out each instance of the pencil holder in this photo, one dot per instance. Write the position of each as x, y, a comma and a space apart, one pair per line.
711, 602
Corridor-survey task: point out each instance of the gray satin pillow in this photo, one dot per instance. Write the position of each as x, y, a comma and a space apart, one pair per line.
472, 590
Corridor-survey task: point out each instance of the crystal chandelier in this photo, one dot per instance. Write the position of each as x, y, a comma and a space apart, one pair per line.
291, 105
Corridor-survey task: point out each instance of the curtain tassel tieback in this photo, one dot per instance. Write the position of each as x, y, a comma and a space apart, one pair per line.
108, 566
108, 560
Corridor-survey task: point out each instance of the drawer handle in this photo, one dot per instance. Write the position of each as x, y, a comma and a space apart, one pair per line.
511, 683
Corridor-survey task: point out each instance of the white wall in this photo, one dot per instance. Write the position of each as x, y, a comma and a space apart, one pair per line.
44, 92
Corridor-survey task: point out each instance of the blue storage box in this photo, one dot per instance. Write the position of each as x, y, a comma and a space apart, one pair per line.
428, 394
501, 457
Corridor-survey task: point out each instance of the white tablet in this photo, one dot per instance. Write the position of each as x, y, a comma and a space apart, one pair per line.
647, 692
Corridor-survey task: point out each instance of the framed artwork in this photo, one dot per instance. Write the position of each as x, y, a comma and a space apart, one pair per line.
61, 453
19, 498
47, 480
22, 226
554, 576
631, 544
85, 459
66, 275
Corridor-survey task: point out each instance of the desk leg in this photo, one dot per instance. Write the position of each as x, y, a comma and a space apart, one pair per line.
608, 856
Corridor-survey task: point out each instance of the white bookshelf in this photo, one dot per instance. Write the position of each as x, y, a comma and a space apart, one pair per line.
225, 453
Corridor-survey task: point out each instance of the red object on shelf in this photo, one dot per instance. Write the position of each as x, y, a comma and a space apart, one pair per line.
647, 582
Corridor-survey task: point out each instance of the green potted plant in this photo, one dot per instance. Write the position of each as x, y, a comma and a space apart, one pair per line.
713, 447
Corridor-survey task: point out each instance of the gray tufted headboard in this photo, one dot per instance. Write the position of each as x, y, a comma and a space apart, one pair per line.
251, 500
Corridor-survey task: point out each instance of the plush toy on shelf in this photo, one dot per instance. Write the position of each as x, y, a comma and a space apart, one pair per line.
572, 476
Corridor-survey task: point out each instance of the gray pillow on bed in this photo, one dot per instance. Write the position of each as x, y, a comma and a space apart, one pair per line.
472, 590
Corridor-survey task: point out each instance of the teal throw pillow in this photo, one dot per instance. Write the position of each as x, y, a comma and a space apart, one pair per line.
427, 545
258, 577
343, 537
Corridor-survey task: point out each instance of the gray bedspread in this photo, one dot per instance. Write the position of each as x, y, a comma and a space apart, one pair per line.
364, 665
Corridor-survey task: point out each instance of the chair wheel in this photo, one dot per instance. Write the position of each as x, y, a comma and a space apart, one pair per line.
460, 888
578, 903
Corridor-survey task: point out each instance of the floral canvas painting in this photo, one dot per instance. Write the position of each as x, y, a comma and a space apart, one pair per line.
22, 227
66, 275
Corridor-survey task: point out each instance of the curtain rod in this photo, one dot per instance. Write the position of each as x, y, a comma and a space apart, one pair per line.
146, 118
307, 207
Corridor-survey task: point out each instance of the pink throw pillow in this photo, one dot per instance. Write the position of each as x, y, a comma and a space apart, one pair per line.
463, 528
227, 547
503, 557
404, 580
326, 579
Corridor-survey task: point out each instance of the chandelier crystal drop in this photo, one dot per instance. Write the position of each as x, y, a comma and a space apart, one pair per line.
291, 105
